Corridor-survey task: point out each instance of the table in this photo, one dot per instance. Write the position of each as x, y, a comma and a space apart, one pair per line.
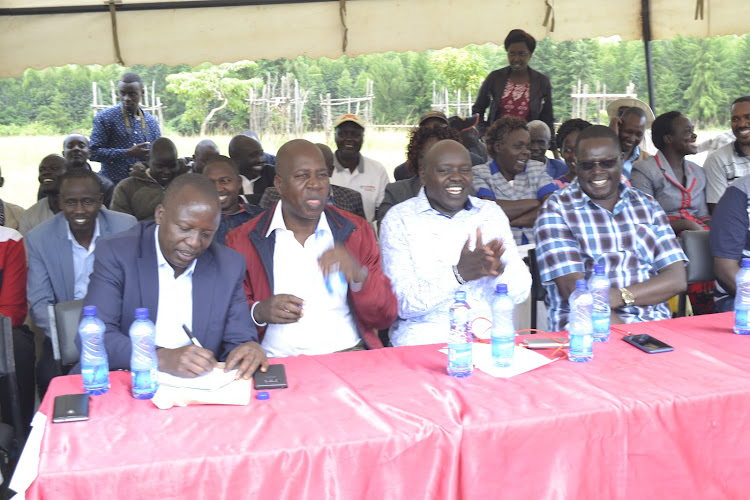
390, 424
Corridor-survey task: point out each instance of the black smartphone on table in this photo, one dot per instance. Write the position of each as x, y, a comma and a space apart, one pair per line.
71, 408
274, 378
647, 343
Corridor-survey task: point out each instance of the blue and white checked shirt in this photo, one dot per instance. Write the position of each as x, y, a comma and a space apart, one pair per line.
531, 184
110, 140
634, 242
420, 246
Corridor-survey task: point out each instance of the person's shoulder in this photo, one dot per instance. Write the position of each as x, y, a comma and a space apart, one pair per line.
9, 234
109, 112
46, 229
373, 165
482, 169
743, 184
534, 167
646, 165
117, 221
721, 156
226, 258
336, 212
534, 74
239, 236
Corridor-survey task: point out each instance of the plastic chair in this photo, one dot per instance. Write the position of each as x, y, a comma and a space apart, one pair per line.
64, 318
8, 371
538, 293
701, 266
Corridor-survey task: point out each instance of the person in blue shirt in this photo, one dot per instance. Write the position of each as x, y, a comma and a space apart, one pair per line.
123, 134
541, 136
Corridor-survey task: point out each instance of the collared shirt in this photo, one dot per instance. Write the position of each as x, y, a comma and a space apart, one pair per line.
110, 140
175, 302
722, 167
327, 324
634, 242
627, 165
532, 184
235, 220
83, 262
420, 246
369, 178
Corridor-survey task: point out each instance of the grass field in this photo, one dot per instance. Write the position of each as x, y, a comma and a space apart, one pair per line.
21, 156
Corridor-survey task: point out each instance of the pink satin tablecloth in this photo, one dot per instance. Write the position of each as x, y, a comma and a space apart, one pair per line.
390, 424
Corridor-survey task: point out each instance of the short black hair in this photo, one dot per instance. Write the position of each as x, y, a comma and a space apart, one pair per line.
744, 98
663, 126
576, 124
199, 182
80, 173
222, 159
131, 78
597, 132
634, 110
518, 35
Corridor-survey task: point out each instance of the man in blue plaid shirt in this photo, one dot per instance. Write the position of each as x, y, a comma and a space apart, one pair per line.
600, 220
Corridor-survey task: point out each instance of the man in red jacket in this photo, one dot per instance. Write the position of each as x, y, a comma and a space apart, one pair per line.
314, 281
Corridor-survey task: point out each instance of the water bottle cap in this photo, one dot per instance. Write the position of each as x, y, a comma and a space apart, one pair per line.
581, 285
141, 313
501, 289
599, 269
460, 295
263, 395
745, 263
89, 310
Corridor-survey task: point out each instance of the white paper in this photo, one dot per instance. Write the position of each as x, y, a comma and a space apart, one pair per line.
209, 382
28, 464
524, 360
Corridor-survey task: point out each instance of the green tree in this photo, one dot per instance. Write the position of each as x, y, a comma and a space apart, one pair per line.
705, 94
463, 69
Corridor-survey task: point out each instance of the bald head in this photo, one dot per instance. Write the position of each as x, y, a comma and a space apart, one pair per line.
204, 151
328, 156
447, 176
292, 151
200, 188
247, 154
303, 183
448, 146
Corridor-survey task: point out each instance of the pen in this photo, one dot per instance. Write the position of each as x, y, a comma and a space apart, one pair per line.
192, 338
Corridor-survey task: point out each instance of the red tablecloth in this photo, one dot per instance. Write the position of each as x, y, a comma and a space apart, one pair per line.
391, 424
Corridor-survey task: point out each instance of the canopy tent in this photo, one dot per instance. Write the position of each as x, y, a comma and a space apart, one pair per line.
41, 33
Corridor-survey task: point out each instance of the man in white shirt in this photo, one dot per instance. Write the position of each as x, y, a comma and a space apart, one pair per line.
444, 240
173, 267
314, 281
354, 170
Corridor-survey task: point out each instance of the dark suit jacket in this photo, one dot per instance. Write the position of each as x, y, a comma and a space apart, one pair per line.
125, 277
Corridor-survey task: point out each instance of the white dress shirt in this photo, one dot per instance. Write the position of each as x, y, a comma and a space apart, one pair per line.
369, 178
175, 302
327, 324
420, 246
83, 262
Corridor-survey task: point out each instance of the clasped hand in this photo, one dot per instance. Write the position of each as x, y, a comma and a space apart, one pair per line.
484, 260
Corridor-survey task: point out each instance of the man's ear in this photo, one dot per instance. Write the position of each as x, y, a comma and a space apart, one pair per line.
159, 213
277, 183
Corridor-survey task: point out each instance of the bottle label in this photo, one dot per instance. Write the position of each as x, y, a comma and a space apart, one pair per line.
95, 376
581, 345
459, 357
145, 380
601, 324
740, 318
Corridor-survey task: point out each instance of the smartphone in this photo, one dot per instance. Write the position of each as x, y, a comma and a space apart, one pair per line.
647, 343
71, 408
544, 342
274, 378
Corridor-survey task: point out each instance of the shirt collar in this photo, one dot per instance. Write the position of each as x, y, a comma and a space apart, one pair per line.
636, 154
423, 204
161, 261
339, 167
73, 238
277, 222
738, 150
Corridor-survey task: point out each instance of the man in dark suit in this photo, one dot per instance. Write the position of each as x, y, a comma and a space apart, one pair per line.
173, 267
60, 253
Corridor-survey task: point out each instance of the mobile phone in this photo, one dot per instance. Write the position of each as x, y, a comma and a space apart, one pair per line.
544, 342
71, 408
647, 343
274, 378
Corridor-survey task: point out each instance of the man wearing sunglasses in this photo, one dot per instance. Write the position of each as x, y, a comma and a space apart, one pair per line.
598, 219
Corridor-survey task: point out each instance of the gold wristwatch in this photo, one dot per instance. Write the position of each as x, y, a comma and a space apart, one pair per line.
627, 297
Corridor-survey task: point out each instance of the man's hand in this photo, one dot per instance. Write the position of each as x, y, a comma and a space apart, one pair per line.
189, 361
247, 358
615, 124
282, 308
339, 258
139, 151
483, 261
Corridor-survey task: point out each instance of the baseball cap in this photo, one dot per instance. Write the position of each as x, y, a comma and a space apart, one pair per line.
349, 117
433, 114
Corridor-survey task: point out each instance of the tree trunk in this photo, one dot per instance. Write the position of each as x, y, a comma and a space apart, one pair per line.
210, 115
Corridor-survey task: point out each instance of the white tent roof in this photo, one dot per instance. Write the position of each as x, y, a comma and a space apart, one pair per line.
178, 33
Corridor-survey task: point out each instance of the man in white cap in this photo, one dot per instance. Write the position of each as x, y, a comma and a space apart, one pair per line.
630, 118
353, 170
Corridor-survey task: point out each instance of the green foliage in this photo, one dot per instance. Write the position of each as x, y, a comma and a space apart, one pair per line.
463, 69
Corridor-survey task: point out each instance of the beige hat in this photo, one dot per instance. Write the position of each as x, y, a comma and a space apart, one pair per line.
349, 117
629, 102
433, 114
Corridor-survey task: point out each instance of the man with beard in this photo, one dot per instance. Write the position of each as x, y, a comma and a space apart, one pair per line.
731, 161
354, 170
61, 253
76, 153
314, 282
598, 219
122, 134
140, 194
51, 167
444, 240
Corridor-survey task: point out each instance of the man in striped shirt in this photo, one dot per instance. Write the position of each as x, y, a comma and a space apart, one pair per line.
598, 219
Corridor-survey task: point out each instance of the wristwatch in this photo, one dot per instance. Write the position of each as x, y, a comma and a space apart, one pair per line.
627, 297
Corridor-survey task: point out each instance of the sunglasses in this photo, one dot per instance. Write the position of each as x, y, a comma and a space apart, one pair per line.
604, 164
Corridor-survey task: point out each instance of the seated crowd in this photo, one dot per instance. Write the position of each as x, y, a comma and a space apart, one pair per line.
267, 256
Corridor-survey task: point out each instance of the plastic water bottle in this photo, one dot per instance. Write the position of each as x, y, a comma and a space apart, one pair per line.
503, 336
742, 299
94, 363
143, 360
459, 338
580, 326
601, 313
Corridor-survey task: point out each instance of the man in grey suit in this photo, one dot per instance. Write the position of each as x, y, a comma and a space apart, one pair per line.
61, 253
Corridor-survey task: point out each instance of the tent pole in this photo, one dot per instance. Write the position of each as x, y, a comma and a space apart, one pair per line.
646, 22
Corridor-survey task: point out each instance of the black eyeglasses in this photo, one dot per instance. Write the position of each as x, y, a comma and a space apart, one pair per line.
604, 164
